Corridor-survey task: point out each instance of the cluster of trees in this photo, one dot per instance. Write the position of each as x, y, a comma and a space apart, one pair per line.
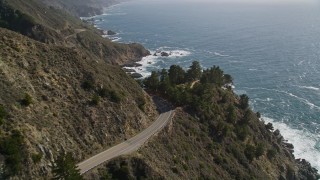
176, 75
186, 87
65, 168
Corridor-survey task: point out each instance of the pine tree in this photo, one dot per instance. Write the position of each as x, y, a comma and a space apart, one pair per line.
65, 168
152, 82
244, 101
176, 74
195, 71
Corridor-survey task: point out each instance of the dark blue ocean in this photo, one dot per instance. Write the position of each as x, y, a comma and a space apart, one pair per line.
271, 50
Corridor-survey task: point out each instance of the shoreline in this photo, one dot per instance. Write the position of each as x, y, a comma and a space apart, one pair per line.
111, 35
137, 68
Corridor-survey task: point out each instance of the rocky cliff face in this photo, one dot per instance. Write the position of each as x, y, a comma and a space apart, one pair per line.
55, 26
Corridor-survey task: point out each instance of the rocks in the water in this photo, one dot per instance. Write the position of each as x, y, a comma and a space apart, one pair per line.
164, 54
132, 64
110, 33
128, 70
136, 75
288, 145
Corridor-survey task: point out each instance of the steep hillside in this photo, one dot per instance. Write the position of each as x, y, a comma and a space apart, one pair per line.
82, 8
60, 99
55, 26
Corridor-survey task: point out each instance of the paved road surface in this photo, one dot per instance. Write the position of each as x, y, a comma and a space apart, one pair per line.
76, 31
128, 146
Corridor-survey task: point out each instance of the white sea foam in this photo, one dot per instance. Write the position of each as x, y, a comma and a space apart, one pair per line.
145, 62
303, 100
306, 144
111, 14
301, 62
309, 87
115, 39
173, 52
112, 38
149, 61
220, 54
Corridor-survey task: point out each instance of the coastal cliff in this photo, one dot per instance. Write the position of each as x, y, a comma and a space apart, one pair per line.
62, 91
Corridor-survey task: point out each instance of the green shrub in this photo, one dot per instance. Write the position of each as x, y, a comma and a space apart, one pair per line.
111, 95
185, 166
259, 150
95, 100
269, 127
115, 97
106, 176
232, 115
103, 92
248, 117
223, 129
12, 149
250, 152
242, 132
3, 114
141, 102
244, 101
271, 153
88, 85
36, 158
27, 100
238, 155
218, 159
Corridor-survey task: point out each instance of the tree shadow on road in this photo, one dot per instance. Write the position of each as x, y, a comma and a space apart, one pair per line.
162, 104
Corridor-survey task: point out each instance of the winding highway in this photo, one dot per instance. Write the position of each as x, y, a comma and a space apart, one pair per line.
128, 146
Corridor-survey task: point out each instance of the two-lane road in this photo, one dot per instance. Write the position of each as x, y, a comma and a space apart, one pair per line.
128, 146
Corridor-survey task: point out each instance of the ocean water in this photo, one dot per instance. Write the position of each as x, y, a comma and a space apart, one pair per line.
271, 50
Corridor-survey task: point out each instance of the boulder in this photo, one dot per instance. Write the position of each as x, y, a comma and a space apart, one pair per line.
132, 64
110, 33
136, 75
128, 70
164, 54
